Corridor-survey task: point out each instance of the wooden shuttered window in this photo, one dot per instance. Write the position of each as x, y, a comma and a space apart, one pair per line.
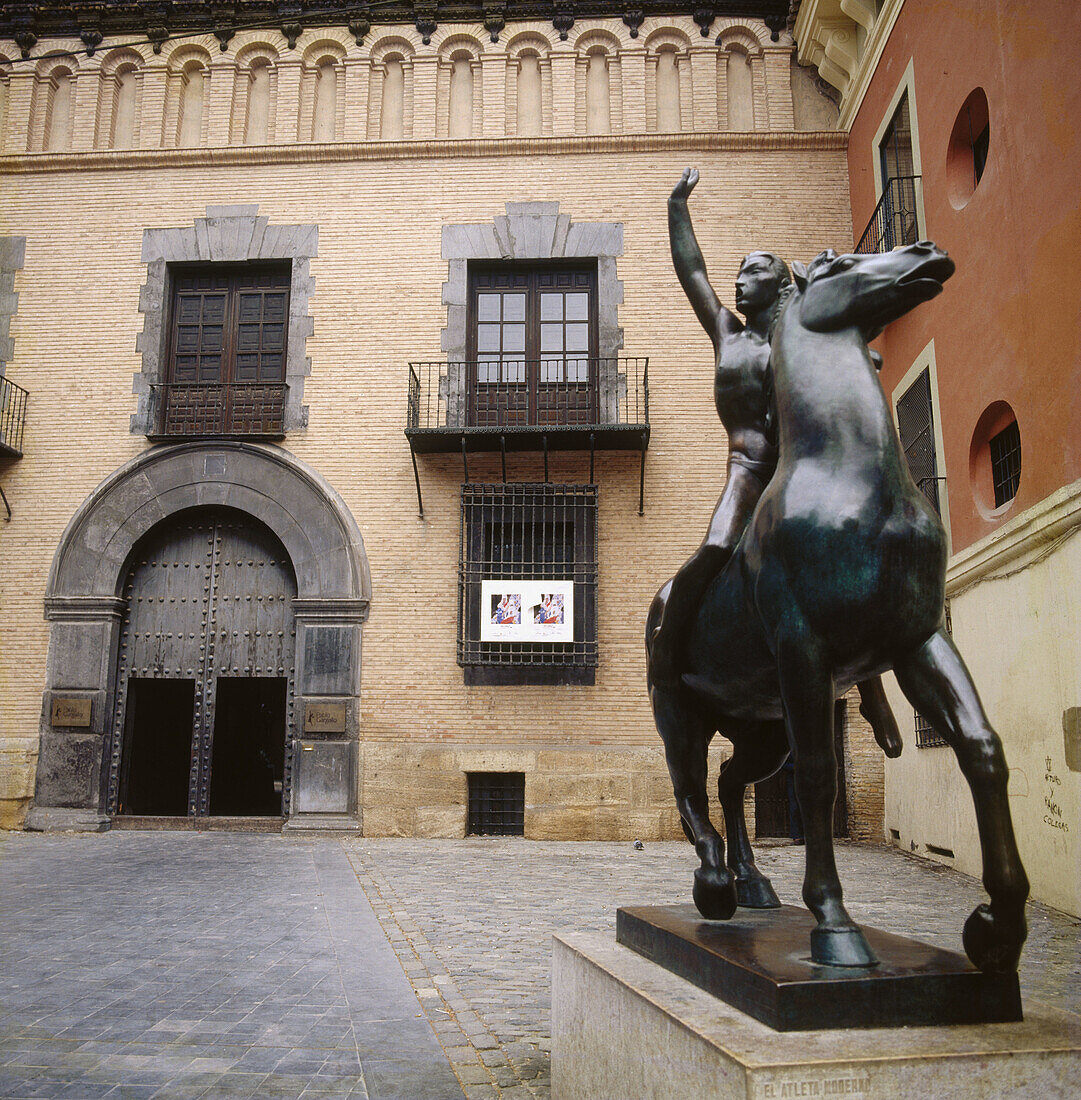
228, 337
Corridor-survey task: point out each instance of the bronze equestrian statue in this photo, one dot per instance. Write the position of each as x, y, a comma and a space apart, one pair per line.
839, 576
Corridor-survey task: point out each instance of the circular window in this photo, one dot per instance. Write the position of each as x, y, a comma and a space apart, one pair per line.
994, 461
966, 154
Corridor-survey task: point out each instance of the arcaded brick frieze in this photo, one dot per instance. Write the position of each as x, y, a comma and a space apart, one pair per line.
604, 77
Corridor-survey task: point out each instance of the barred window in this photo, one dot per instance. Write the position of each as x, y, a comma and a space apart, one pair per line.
916, 427
528, 573
496, 804
1005, 448
927, 737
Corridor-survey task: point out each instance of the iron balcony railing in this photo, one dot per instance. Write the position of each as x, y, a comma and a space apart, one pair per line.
12, 417
894, 221
191, 409
523, 395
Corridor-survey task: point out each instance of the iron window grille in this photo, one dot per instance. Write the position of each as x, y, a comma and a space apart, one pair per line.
927, 737
527, 532
1005, 450
916, 428
496, 803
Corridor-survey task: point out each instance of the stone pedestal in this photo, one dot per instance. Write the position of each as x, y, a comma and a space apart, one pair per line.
759, 962
622, 1026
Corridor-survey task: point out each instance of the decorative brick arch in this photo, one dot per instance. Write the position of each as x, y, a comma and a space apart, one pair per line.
84, 605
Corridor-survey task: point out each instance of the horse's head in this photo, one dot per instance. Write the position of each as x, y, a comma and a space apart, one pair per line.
868, 291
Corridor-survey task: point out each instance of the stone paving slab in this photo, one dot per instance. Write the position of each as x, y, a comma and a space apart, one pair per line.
201, 965
472, 921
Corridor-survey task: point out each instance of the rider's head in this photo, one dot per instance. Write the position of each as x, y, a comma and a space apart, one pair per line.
760, 279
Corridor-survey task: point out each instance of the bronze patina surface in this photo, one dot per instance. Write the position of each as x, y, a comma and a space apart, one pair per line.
759, 963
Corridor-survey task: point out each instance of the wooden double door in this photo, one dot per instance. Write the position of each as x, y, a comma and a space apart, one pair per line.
205, 671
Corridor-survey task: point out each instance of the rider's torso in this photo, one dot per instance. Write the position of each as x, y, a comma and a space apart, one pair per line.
741, 394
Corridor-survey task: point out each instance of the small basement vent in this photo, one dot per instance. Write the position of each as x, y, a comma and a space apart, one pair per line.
496, 803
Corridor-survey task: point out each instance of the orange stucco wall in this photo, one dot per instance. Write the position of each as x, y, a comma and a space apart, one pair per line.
1008, 325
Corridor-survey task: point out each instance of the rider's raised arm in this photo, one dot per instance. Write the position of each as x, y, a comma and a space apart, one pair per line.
689, 263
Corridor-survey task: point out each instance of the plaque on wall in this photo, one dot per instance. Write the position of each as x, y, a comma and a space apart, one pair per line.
324, 717
72, 712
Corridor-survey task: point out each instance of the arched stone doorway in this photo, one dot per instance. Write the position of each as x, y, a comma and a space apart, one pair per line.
84, 708
205, 672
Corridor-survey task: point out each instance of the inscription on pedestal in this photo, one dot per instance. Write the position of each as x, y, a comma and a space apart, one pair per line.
71, 712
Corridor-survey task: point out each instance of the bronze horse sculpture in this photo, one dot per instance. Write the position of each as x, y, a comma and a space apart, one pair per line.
839, 576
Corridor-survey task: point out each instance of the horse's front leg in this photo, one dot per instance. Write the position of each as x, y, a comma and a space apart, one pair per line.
686, 736
808, 697
760, 749
937, 683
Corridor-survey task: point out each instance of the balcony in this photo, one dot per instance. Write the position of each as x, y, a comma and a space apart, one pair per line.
238, 410
556, 404
894, 222
12, 417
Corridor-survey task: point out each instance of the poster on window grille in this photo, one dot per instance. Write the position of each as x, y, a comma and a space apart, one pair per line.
514, 610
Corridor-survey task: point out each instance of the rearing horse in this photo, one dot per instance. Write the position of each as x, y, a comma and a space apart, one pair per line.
839, 576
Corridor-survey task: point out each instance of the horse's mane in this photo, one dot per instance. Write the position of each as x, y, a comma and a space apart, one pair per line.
784, 295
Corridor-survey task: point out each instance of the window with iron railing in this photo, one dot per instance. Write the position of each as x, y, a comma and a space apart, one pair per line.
227, 345
916, 428
13, 400
895, 221
527, 610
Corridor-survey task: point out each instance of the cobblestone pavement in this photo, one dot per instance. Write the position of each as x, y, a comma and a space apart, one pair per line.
209, 965
472, 921
201, 965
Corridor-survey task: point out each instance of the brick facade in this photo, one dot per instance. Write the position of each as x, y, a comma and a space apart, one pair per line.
593, 762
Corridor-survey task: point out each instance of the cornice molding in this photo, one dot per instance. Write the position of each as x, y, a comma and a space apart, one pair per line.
826, 34
27, 23
230, 156
1033, 531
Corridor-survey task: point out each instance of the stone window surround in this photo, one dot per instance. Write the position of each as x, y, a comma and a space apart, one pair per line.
227, 234
533, 231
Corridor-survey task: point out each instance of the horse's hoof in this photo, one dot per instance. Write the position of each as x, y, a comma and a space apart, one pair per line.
714, 893
992, 943
756, 893
841, 947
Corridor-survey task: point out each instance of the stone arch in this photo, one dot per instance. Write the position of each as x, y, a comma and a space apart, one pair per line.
52, 108
529, 85
84, 604
754, 37
390, 92
741, 78
667, 80
116, 122
187, 95
528, 40
255, 88
321, 91
459, 107
598, 98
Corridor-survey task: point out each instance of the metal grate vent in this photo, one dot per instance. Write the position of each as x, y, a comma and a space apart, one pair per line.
1005, 463
496, 803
